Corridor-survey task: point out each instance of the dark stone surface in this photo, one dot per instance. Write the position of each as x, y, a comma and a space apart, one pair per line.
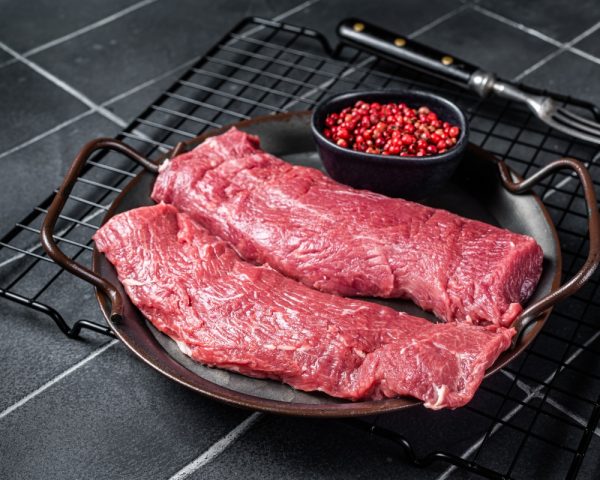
291, 448
5, 57
115, 417
34, 351
404, 18
590, 44
142, 45
24, 26
558, 19
591, 467
570, 74
486, 43
31, 105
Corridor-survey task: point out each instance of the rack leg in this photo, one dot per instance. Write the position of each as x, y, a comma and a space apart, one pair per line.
71, 332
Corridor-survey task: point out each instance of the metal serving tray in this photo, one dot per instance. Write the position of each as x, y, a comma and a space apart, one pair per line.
483, 188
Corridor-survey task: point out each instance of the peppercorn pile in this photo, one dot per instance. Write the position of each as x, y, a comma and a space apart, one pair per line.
390, 129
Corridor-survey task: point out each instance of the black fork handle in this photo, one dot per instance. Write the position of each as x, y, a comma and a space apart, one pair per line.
398, 48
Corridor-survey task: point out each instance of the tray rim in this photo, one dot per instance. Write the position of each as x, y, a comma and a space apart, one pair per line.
344, 408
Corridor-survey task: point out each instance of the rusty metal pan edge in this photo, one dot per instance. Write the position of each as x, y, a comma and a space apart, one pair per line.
346, 409
232, 397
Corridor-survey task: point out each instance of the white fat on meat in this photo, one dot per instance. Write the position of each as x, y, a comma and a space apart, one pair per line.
441, 394
131, 282
185, 349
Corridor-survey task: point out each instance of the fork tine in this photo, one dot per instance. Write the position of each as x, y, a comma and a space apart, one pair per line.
574, 121
579, 118
570, 129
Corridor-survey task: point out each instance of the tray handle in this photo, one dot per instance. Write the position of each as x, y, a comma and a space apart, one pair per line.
59, 201
531, 313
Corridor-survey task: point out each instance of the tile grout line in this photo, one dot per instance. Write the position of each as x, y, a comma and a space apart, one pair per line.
574, 416
218, 447
527, 389
90, 27
281, 16
519, 26
57, 379
582, 35
583, 54
292, 11
106, 103
566, 47
539, 35
534, 392
538, 64
65, 86
46, 133
85, 29
438, 21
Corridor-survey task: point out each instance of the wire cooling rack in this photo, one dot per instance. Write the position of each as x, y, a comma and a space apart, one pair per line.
544, 406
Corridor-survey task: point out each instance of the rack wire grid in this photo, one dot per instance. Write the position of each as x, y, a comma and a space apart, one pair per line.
544, 404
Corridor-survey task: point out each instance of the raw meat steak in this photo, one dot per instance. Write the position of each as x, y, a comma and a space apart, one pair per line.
225, 312
350, 242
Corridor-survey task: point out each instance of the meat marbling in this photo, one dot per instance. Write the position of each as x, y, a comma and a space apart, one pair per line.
225, 312
350, 242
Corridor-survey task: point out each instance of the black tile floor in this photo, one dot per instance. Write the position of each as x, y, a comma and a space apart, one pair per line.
557, 19
31, 105
25, 27
569, 73
87, 409
486, 42
118, 56
408, 18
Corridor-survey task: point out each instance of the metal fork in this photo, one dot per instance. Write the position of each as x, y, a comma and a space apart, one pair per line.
546, 108
403, 50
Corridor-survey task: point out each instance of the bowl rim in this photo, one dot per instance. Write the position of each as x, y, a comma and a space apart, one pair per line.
460, 146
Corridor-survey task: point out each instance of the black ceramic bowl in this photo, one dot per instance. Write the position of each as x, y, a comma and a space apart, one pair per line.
408, 177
